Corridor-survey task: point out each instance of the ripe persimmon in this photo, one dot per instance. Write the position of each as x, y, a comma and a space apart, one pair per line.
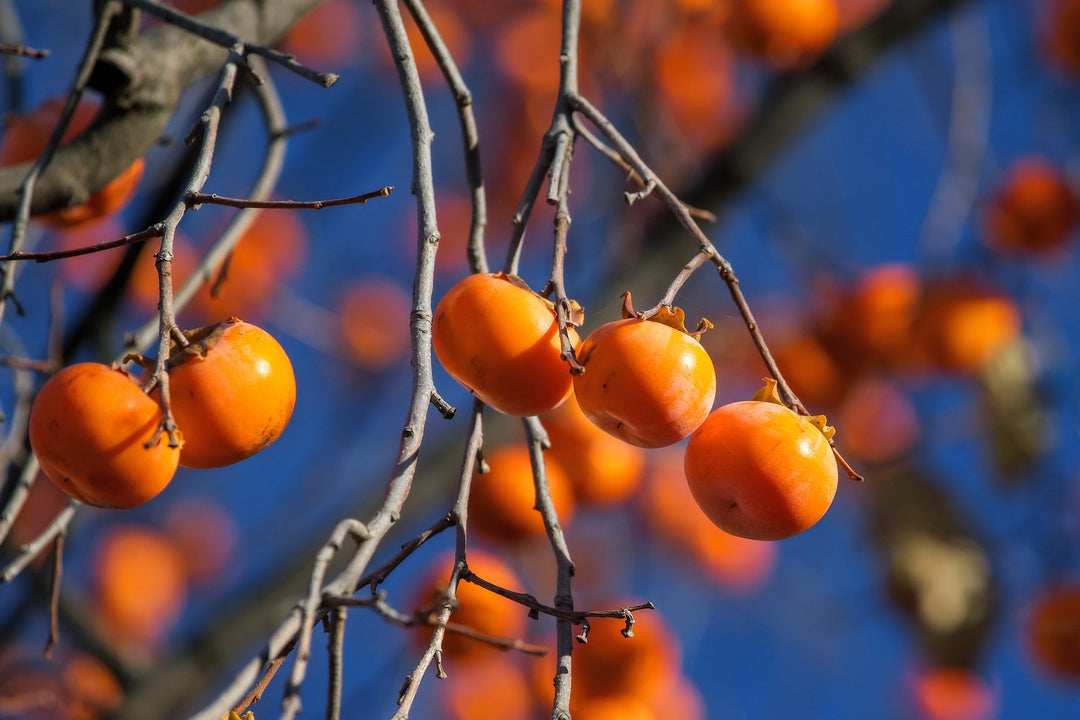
734, 564
477, 608
500, 340
760, 471
602, 469
952, 693
233, 391
785, 34
963, 324
140, 583
610, 665
647, 382
205, 534
502, 501
490, 689
328, 35
1053, 630
90, 690
1034, 209
26, 137
89, 426
374, 323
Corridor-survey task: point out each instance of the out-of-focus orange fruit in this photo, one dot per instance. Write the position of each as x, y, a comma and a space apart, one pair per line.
140, 583
374, 323
27, 136
602, 469
733, 563
952, 693
502, 501
1034, 209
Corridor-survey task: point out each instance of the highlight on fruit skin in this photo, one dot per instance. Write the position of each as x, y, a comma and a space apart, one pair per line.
760, 471
648, 382
90, 425
232, 392
501, 341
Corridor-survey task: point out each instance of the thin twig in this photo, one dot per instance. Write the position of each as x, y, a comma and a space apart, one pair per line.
154, 231
335, 648
195, 199
102, 21
54, 592
400, 482
460, 512
290, 706
23, 51
256, 692
230, 41
470, 136
33, 548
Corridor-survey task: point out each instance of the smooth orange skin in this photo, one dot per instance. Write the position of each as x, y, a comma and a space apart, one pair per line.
1034, 210
759, 471
784, 33
492, 689
962, 327
502, 501
90, 690
501, 342
1053, 630
88, 427
140, 583
645, 666
26, 138
952, 693
602, 470
236, 400
734, 564
374, 323
645, 382
477, 608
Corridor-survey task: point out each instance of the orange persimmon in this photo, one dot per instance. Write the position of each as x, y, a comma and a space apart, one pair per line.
89, 426
1053, 630
760, 471
610, 665
140, 583
952, 693
734, 564
785, 34
501, 341
90, 690
477, 608
647, 382
27, 136
602, 469
232, 390
374, 323
502, 501
1034, 208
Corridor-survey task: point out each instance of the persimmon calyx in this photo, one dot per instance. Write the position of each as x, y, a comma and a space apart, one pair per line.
670, 315
200, 341
770, 393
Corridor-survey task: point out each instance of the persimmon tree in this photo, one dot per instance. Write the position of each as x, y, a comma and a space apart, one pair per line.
542, 460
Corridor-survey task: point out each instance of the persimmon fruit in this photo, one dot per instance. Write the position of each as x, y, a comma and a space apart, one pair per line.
27, 136
140, 583
502, 501
646, 382
232, 390
1034, 209
1053, 630
89, 427
501, 341
785, 34
602, 470
760, 471
477, 608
